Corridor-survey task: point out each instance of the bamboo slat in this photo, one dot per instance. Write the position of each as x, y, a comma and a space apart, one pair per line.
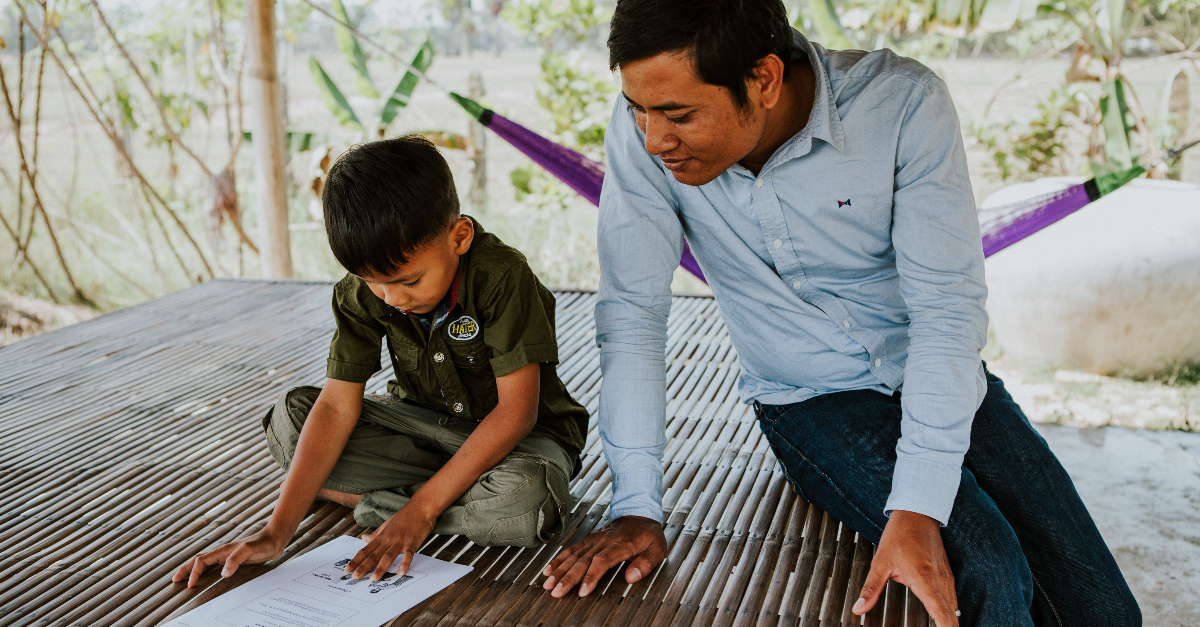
130, 442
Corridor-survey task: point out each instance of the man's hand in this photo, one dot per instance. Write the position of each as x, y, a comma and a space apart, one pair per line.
634, 538
402, 534
911, 553
258, 548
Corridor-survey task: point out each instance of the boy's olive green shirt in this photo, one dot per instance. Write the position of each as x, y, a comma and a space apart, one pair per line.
503, 320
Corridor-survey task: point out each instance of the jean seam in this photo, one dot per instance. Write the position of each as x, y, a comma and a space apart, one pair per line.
829, 479
1047, 597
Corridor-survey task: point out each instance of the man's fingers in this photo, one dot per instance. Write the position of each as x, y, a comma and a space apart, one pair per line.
937, 594
572, 577
558, 559
937, 605
644, 563
560, 569
601, 562
877, 578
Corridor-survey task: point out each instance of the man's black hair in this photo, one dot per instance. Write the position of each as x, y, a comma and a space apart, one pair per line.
384, 200
724, 38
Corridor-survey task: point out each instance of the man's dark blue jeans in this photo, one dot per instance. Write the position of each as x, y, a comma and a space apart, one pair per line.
1023, 548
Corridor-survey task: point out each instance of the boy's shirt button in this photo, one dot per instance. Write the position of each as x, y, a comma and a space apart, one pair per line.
439, 357
458, 408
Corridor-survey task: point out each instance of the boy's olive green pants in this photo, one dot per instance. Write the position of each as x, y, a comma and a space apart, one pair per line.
396, 447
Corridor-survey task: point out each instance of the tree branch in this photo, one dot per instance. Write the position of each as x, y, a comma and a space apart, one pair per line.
37, 200
158, 106
110, 130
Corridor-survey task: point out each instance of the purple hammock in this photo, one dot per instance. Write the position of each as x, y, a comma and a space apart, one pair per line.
1001, 226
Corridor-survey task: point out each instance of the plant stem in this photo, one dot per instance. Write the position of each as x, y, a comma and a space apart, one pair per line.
158, 106
109, 129
24, 258
37, 201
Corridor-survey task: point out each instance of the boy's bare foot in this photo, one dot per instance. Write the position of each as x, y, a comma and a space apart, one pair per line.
341, 498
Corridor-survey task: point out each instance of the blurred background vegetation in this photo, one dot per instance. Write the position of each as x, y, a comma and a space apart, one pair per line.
125, 171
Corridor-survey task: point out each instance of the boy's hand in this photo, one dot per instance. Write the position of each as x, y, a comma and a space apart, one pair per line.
403, 533
258, 548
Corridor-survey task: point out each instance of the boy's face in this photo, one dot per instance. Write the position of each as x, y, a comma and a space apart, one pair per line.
418, 286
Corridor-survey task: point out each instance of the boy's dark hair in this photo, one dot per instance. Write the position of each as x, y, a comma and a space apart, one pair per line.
383, 200
725, 38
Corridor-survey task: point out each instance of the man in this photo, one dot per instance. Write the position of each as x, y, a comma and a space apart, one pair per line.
827, 199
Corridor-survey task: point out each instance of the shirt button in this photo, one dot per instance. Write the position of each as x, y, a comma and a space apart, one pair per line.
878, 363
458, 408
758, 183
795, 285
439, 357
846, 323
777, 243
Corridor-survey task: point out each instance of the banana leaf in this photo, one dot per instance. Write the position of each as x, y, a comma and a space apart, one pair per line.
297, 141
353, 52
1116, 127
828, 26
403, 92
334, 100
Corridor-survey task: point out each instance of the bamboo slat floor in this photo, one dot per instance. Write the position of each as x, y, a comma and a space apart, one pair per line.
132, 441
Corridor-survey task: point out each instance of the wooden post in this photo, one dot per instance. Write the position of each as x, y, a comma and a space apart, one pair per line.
1179, 105
478, 195
267, 129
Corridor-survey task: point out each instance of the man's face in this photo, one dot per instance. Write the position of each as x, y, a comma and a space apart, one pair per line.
418, 286
692, 126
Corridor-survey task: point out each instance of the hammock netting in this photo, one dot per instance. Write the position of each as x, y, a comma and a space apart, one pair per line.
1001, 226
1008, 224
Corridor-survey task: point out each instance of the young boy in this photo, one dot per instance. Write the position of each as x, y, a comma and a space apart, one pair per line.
477, 435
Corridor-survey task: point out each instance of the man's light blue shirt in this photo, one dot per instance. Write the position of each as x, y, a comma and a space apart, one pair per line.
851, 262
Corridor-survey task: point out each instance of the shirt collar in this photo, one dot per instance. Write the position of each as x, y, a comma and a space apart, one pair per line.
824, 123
449, 301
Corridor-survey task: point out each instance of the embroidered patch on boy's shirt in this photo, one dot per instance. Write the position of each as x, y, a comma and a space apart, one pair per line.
845, 203
465, 328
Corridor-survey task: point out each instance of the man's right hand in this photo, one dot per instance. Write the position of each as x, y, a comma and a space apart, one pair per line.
258, 548
639, 540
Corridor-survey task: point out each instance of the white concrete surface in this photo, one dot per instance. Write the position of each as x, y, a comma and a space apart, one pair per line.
1114, 287
1143, 490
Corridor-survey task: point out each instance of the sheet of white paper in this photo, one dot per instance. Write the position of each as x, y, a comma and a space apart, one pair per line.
313, 591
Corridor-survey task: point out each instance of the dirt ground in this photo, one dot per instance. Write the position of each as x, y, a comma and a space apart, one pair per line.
22, 317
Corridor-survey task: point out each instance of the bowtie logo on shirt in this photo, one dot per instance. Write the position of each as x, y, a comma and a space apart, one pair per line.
844, 204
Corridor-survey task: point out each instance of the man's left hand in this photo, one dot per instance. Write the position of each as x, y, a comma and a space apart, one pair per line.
911, 553
402, 534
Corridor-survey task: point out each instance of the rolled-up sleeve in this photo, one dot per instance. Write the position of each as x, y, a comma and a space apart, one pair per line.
940, 262
640, 240
355, 349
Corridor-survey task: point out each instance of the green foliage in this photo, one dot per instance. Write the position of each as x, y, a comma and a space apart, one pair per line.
389, 105
1114, 115
1039, 147
400, 96
334, 100
576, 97
353, 52
556, 23
827, 25
577, 100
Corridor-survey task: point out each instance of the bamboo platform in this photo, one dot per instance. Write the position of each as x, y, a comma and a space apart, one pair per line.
132, 441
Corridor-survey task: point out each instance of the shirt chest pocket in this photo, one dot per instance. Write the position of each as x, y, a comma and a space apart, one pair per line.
469, 354
404, 355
